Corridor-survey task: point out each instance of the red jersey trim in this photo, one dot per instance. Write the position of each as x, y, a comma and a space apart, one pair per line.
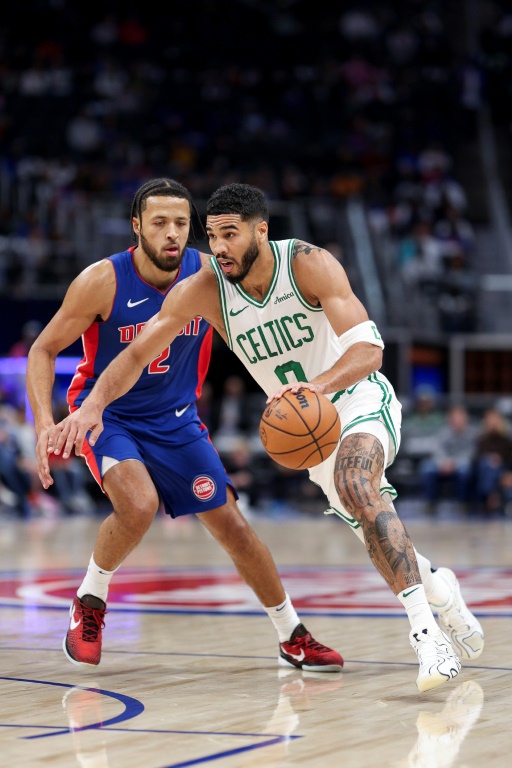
85, 368
203, 361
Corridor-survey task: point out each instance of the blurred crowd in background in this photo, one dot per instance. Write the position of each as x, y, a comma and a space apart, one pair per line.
447, 455
365, 98
309, 102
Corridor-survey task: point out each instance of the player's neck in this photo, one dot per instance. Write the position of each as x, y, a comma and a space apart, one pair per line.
260, 275
158, 278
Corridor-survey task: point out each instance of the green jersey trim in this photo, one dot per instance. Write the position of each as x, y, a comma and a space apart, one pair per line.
222, 298
298, 292
344, 516
389, 489
348, 391
383, 412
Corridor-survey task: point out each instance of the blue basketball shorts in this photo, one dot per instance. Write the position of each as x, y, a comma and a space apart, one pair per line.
185, 468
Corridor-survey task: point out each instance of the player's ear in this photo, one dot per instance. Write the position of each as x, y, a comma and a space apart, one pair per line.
135, 225
262, 230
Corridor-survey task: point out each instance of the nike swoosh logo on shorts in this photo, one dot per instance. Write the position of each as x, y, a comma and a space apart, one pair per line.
298, 657
131, 303
181, 411
233, 313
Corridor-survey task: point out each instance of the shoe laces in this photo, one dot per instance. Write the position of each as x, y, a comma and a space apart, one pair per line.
94, 621
428, 648
309, 642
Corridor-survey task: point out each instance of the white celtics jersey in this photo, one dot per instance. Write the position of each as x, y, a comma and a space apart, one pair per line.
282, 338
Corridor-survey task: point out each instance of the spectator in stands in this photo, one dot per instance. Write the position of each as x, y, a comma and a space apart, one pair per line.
29, 334
452, 460
455, 233
384, 89
422, 423
71, 477
492, 462
422, 420
232, 418
84, 135
239, 464
420, 256
506, 490
458, 293
13, 475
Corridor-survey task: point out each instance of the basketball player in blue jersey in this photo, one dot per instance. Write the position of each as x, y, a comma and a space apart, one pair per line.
287, 310
153, 447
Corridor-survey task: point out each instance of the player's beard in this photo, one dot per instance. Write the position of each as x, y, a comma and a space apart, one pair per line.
248, 259
167, 263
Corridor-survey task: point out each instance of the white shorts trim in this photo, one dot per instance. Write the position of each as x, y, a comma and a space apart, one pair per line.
107, 462
370, 407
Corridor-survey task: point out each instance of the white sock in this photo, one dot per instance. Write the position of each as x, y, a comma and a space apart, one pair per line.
284, 618
416, 606
434, 590
96, 581
437, 591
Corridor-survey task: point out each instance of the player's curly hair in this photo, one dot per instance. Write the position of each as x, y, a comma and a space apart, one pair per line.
243, 199
165, 188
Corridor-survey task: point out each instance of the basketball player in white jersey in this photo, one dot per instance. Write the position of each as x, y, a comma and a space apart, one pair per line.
288, 312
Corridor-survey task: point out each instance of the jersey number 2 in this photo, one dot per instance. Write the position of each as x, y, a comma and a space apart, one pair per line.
156, 366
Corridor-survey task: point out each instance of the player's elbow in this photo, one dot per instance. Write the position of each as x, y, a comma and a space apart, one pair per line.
374, 357
38, 351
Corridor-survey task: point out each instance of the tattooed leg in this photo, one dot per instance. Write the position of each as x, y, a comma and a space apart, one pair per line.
357, 475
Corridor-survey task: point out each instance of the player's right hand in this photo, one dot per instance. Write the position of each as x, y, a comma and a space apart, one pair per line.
71, 431
42, 450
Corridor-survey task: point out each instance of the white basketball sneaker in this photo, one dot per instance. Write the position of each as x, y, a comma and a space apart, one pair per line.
457, 621
438, 662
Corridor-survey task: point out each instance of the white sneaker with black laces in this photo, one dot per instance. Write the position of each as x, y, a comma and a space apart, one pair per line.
438, 662
457, 621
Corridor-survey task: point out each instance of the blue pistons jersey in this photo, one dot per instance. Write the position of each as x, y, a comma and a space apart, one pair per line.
156, 422
172, 382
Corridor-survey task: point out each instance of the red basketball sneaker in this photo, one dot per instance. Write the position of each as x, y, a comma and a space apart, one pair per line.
82, 644
304, 652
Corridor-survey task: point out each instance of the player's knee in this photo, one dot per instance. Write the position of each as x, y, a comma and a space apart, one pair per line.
358, 496
138, 514
148, 510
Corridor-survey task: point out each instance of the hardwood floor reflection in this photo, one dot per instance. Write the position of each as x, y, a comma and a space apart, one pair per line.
189, 672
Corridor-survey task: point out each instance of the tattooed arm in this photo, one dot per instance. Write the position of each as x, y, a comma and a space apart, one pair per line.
323, 282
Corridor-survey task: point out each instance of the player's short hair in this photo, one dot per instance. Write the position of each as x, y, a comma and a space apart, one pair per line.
248, 202
164, 188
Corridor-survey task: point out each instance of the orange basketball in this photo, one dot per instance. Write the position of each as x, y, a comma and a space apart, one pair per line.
300, 430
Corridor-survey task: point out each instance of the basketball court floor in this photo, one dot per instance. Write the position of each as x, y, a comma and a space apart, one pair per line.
189, 673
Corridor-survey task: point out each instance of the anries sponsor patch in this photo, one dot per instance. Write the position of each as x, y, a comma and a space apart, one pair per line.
279, 299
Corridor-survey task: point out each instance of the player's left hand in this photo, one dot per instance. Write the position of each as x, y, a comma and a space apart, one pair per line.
294, 388
71, 431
